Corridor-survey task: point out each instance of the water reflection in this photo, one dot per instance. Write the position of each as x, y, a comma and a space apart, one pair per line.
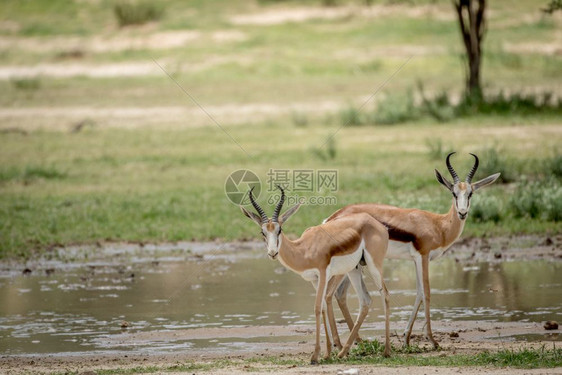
70, 311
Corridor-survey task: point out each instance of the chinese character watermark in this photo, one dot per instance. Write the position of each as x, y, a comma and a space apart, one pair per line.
304, 186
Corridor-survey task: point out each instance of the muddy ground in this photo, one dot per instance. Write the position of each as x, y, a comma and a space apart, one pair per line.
473, 336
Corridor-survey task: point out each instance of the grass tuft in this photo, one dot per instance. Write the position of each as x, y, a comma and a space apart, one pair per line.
370, 352
137, 13
26, 84
30, 173
435, 149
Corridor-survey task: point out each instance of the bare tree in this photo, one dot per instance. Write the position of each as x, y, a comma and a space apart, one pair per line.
472, 24
553, 6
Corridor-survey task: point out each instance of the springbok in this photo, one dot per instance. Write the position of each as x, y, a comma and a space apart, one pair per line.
323, 251
418, 235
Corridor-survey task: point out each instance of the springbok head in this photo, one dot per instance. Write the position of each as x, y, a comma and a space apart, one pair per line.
462, 190
270, 228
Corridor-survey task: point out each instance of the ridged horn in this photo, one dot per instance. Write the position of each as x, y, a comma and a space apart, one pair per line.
275, 217
451, 169
264, 218
473, 170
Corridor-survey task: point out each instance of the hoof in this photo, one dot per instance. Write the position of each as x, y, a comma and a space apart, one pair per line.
314, 361
386, 354
343, 353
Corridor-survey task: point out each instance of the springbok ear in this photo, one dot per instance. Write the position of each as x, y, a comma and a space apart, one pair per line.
252, 216
443, 181
289, 213
485, 181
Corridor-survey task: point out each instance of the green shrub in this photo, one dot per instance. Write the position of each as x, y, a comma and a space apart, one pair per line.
30, 173
554, 166
527, 200
538, 199
395, 109
137, 13
491, 161
327, 151
486, 208
300, 119
26, 84
352, 116
552, 196
435, 148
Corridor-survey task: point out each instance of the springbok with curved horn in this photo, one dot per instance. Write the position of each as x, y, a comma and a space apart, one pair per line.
418, 235
323, 251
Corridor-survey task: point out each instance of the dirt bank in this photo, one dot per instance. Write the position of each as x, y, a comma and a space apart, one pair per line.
473, 337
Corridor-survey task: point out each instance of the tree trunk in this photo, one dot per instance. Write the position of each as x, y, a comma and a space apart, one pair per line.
472, 26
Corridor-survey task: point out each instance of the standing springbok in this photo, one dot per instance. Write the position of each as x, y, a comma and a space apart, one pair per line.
418, 235
334, 248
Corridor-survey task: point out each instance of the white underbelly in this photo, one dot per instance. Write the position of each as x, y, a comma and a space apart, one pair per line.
406, 250
434, 254
342, 264
400, 250
310, 275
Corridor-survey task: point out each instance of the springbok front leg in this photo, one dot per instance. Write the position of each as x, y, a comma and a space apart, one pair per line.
427, 297
320, 296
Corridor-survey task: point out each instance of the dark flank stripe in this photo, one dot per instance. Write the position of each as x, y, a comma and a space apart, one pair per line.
400, 235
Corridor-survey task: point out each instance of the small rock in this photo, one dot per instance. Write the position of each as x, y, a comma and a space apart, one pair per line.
550, 325
351, 371
497, 255
547, 242
454, 334
49, 271
125, 324
27, 271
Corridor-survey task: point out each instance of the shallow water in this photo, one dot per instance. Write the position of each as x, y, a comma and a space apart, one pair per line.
78, 308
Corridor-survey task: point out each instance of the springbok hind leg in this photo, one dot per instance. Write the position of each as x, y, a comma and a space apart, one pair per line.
417, 304
356, 280
334, 284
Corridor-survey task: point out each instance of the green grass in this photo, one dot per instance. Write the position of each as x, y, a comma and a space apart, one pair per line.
168, 185
163, 179
526, 358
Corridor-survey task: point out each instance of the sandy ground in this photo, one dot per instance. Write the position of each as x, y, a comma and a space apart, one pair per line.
473, 337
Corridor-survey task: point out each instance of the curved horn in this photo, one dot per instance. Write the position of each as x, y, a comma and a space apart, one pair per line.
451, 169
257, 206
473, 170
275, 217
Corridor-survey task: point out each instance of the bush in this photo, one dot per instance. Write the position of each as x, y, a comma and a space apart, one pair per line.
26, 84
136, 13
352, 116
395, 109
327, 152
554, 166
300, 119
487, 208
492, 162
552, 197
435, 148
527, 201
540, 200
